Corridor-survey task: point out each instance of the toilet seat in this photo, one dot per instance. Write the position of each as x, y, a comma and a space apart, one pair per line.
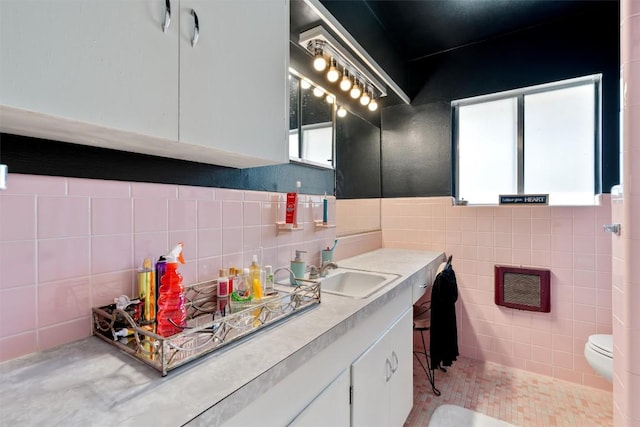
598, 351
602, 344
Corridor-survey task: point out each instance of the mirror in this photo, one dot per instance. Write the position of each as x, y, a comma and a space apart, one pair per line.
313, 128
310, 124
358, 181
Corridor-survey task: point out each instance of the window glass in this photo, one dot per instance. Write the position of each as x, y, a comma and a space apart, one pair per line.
538, 140
559, 147
487, 151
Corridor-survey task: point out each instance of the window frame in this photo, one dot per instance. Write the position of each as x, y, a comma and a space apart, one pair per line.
519, 94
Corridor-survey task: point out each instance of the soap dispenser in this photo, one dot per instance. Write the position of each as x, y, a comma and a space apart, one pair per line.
298, 267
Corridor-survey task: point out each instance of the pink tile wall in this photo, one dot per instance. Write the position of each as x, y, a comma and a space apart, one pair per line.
568, 241
626, 248
69, 244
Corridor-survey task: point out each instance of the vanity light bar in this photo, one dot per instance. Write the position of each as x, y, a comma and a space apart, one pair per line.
319, 38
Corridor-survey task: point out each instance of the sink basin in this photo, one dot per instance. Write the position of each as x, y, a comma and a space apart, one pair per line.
355, 283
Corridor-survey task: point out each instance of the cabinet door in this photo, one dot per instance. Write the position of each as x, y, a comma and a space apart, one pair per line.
369, 376
382, 378
400, 346
233, 81
95, 61
330, 408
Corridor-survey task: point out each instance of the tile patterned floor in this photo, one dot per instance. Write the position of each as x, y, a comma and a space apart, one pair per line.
512, 395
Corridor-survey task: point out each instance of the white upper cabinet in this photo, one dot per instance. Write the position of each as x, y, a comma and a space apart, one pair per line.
106, 63
233, 78
104, 73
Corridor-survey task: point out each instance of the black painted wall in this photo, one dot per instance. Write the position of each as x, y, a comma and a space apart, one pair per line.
416, 139
357, 158
45, 157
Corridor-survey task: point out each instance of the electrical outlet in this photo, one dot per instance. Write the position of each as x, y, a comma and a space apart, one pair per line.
3, 177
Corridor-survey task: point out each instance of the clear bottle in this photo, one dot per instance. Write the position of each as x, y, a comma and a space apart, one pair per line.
256, 279
241, 291
268, 283
172, 313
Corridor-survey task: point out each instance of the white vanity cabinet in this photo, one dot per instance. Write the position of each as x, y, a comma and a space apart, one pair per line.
130, 75
382, 378
104, 63
331, 406
328, 379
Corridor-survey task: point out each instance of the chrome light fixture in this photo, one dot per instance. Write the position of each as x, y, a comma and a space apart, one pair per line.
356, 78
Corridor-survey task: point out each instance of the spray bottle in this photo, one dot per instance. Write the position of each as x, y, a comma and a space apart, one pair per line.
172, 313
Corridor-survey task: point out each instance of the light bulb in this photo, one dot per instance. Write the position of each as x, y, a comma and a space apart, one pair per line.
333, 74
341, 112
373, 105
355, 91
304, 84
345, 83
365, 98
318, 92
319, 63
330, 99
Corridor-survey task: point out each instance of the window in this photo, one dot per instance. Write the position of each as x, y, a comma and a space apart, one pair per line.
538, 140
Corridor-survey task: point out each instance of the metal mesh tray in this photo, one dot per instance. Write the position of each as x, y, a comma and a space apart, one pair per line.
204, 333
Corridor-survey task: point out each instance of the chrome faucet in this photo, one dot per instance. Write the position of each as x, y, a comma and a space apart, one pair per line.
326, 266
316, 272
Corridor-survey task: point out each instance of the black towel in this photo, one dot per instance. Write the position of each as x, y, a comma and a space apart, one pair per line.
444, 332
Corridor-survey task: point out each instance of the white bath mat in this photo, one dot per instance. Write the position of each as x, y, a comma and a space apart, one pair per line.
457, 416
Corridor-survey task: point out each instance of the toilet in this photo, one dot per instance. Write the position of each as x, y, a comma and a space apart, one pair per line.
599, 353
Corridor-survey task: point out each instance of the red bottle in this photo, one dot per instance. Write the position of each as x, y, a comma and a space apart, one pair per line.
172, 313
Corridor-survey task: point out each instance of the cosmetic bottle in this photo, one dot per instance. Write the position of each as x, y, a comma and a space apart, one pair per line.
147, 292
325, 210
297, 267
223, 284
160, 268
268, 283
172, 313
232, 277
242, 291
256, 279
292, 207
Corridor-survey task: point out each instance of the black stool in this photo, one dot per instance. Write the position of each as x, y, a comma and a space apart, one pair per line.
422, 324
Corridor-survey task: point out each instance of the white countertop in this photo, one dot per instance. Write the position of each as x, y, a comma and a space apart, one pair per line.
90, 382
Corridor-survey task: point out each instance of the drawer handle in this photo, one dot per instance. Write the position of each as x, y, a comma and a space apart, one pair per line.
424, 286
394, 363
196, 28
388, 370
167, 16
